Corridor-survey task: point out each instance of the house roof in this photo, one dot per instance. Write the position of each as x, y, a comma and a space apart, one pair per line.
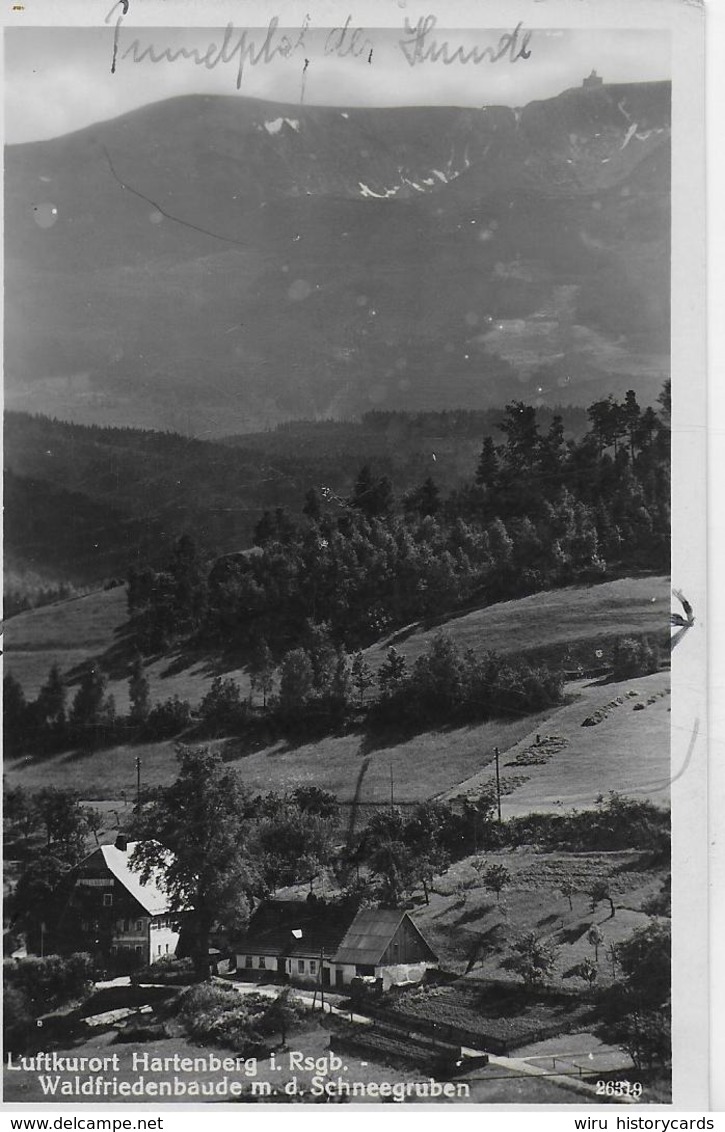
323, 927
368, 936
338, 931
149, 894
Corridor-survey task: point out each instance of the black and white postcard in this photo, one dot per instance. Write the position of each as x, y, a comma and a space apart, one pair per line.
355, 744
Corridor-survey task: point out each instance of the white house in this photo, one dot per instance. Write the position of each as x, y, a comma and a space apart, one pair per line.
114, 915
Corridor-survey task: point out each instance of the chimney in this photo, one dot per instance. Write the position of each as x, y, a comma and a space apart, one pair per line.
121, 843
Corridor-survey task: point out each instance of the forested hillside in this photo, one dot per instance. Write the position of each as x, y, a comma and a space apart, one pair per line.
83, 503
538, 513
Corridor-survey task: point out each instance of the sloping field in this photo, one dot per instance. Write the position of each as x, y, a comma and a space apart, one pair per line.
66, 633
628, 751
463, 914
70, 633
566, 626
425, 765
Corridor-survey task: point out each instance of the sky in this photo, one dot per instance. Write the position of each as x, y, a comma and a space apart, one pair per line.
59, 79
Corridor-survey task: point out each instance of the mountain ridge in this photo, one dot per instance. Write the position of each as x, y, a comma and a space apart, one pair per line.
252, 262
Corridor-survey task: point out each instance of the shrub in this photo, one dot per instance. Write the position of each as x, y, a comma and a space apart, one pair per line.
168, 718
18, 1022
222, 708
215, 1013
208, 997
50, 981
634, 658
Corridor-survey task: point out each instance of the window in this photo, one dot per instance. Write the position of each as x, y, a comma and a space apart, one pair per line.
139, 925
313, 966
107, 899
248, 961
301, 966
138, 949
262, 962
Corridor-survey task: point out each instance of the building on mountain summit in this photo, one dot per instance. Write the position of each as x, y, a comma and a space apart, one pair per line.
592, 81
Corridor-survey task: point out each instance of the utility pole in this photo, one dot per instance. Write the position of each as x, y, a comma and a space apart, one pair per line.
498, 783
322, 980
392, 791
138, 785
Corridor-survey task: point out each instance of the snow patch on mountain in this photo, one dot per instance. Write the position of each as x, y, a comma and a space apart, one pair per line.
366, 191
276, 125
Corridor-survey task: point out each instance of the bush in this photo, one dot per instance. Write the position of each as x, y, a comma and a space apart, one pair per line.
50, 981
168, 718
222, 708
207, 997
18, 1020
634, 658
214, 1012
616, 823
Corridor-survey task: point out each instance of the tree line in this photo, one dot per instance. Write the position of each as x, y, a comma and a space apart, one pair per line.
540, 512
317, 689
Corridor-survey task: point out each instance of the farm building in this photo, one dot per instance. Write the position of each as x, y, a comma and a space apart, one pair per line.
308, 941
113, 915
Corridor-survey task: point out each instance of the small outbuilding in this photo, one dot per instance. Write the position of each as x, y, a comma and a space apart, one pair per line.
313, 942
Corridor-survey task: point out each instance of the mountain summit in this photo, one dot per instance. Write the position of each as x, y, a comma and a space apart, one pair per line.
216, 264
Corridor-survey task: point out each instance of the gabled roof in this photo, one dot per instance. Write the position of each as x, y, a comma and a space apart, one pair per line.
323, 927
149, 894
336, 931
369, 935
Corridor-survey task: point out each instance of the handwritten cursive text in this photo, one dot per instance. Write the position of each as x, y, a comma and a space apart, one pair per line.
234, 45
420, 47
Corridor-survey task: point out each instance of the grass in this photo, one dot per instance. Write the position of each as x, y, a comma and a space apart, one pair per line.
629, 751
468, 927
425, 765
575, 620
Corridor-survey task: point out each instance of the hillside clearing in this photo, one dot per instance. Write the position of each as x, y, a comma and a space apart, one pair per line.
567, 624
422, 766
628, 751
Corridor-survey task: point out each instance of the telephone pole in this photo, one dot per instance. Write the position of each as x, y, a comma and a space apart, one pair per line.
138, 785
498, 783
